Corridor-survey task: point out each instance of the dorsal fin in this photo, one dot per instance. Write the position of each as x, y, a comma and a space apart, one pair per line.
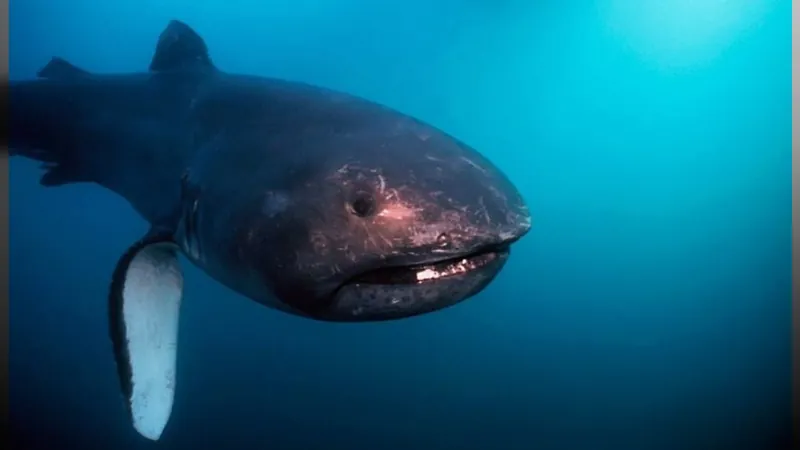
180, 47
59, 68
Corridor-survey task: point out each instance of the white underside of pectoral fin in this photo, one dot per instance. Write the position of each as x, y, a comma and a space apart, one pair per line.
144, 312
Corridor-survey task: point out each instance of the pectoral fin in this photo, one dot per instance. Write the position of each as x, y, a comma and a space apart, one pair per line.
144, 305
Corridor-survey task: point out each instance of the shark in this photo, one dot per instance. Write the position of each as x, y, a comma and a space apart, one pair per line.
308, 200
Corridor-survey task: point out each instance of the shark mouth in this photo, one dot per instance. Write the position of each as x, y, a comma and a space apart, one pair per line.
399, 291
430, 272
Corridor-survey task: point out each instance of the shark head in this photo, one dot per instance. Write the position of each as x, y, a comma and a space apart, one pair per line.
375, 217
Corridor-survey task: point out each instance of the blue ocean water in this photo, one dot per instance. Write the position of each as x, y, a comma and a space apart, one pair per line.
648, 308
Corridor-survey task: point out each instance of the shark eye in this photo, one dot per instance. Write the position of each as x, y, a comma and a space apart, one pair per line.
363, 204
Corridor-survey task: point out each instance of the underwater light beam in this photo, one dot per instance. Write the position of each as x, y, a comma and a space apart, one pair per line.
683, 33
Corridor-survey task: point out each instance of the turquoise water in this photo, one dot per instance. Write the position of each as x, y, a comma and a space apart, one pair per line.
648, 308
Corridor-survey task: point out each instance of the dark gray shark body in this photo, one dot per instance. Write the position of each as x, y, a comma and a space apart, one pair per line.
304, 199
